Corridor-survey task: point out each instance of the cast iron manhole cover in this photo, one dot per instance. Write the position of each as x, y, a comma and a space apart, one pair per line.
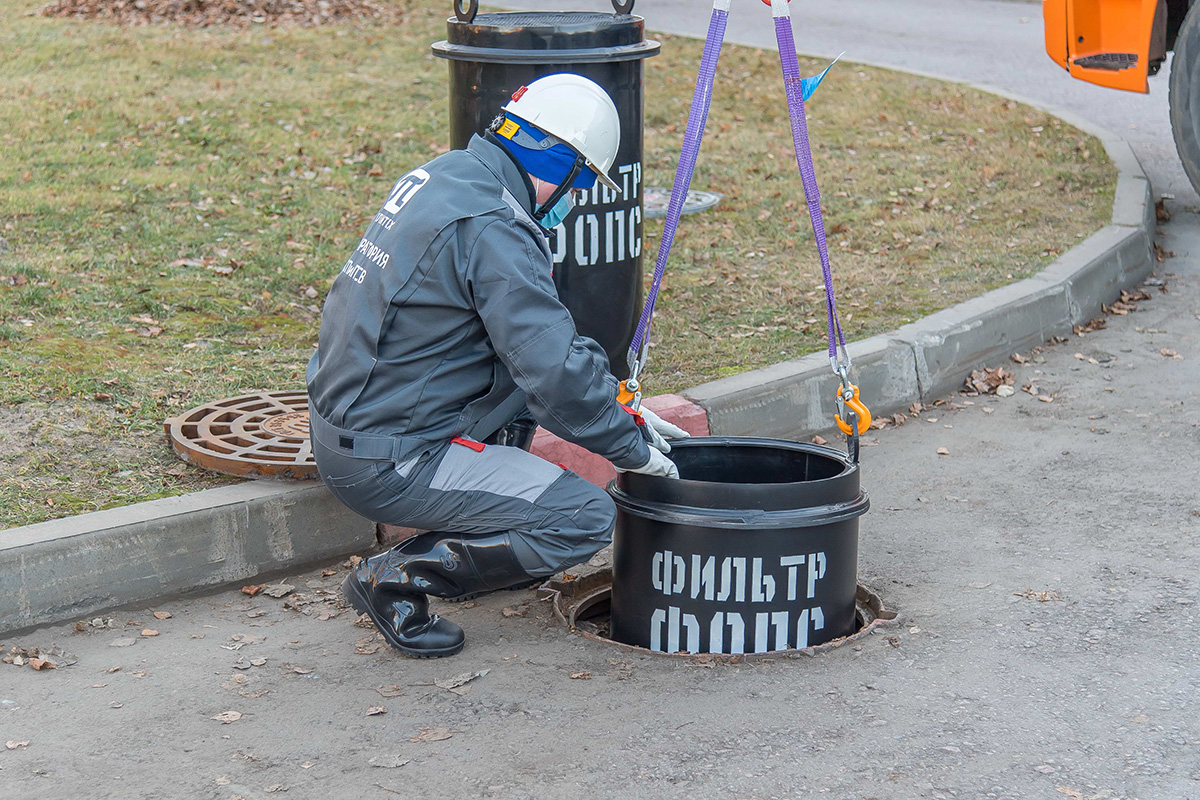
656, 198
251, 435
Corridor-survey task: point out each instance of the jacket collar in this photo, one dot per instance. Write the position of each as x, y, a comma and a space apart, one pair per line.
505, 166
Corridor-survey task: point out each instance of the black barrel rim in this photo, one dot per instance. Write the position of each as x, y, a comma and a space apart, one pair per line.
488, 55
740, 518
835, 481
545, 37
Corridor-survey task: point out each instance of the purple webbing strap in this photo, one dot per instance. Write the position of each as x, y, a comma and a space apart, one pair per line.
808, 176
697, 117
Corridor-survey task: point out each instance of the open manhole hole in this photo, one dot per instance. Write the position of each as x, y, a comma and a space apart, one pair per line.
251, 435
582, 604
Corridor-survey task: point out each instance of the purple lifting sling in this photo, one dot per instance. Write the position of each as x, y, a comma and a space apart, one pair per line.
796, 88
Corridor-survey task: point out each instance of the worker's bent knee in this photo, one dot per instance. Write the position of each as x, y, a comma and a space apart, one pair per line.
596, 518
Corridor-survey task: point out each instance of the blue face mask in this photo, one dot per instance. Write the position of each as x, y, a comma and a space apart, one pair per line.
558, 212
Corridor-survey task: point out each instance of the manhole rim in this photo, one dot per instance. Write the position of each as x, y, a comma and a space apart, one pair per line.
869, 607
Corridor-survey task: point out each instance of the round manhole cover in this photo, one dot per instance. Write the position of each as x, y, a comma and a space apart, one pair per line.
251, 435
656, 199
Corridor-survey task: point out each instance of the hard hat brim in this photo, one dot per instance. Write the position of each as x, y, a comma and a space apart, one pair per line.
604, 179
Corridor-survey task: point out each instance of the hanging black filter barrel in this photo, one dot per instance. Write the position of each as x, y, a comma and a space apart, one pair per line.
753, 549
598, 249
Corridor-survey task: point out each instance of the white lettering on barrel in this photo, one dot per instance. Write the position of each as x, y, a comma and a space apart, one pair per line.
779, 619
761, 620
679, 626
762, 587
744, 579
726, 579
605, 236
792, 563
704, 577
672, 630
587, 247
669, 573
737, 633
816, 571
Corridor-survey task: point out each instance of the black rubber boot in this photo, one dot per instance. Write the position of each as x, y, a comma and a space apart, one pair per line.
392, 587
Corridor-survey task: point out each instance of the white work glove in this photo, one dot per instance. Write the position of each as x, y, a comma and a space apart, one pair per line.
660, 428
658, 464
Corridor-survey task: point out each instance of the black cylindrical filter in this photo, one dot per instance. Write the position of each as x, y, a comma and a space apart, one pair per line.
753, 549
598, 250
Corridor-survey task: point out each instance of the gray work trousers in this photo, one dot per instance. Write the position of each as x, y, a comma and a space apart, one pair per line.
556, 517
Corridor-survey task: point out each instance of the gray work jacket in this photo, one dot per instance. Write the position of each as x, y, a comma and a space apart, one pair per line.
447, 307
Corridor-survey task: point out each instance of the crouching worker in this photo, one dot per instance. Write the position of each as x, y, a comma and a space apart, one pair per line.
444, 335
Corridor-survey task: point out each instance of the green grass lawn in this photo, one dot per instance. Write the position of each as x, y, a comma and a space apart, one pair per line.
176, 202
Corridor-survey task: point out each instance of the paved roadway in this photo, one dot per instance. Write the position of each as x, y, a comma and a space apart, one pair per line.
1045, 569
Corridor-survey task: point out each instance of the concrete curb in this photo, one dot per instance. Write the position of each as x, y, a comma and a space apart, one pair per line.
69, 568
73, 567
930, 358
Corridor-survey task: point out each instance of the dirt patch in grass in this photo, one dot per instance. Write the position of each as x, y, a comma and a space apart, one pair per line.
54, 464
177, 201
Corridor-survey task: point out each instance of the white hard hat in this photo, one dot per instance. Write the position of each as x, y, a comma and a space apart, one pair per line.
576, 110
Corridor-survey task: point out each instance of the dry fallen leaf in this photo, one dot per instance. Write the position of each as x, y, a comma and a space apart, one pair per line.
149, 632
15, 745
941, 451
456, 681
387, 762
819, 440
40, 664
389, 691
515, 612
252, 589
162, 614
581, 676
226, 717
297, 670
1170, 354
278, 590
433, 735
375, 711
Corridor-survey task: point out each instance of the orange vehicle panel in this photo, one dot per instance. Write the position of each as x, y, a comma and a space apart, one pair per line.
1054, 15
1112, 32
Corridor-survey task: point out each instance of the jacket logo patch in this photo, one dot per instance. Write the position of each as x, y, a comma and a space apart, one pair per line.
405, 189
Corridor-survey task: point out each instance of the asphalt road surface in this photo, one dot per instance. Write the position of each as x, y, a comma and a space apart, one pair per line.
1044, 567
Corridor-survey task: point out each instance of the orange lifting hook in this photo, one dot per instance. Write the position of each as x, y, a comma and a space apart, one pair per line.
625, 395
861, 412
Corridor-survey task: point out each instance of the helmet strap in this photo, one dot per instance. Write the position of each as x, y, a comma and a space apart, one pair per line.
563, 188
